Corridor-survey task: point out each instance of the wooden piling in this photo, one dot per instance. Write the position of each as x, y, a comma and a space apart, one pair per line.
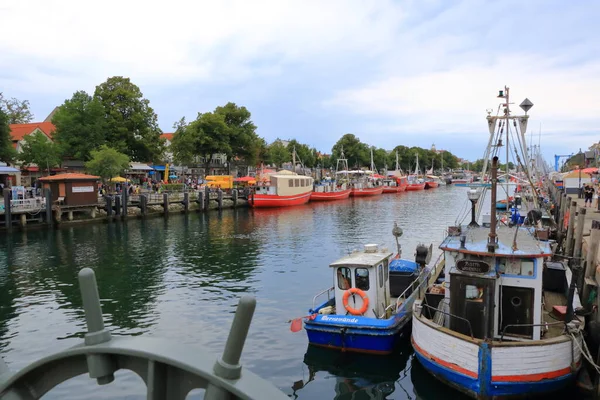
186, 202
23, 220
200, 201
7, 211
590, 265
557, 206
206, 197
565, 202
117, 206
166, 203
220, 199
234, 197
125, 200
109, 208
571, 228
577, 251
144, 204
49, 219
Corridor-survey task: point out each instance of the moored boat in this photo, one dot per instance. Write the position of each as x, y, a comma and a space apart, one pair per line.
361, 313
499, 326
329, 193
394, 184
284, 189
432, 181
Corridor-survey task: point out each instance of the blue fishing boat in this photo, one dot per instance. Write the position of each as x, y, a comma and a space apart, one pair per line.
371, 300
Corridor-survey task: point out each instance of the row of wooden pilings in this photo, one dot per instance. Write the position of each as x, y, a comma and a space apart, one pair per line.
571, 221
118, 205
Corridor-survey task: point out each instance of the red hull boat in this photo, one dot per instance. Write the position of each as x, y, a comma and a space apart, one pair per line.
367, 192
431, 185
329, 196
415, 186
269, 200
393, 189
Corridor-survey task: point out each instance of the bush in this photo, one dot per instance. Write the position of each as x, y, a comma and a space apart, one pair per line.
173, 187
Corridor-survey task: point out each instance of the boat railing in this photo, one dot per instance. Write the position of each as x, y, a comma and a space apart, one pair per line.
329, 293
434, 309
544, 324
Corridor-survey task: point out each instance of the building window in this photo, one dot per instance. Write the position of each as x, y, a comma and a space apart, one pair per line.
344, 277
361, 278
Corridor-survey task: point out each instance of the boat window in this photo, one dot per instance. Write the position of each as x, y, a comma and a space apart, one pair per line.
297, 182
473, 293
344, 277
291, 182
302, 182
361, 278
380, 273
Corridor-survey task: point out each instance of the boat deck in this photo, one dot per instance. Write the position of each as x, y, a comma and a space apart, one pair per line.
552, 299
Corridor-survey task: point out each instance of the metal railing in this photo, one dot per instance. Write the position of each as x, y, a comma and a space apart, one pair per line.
453, 316
33, 205
329, 297
530, 325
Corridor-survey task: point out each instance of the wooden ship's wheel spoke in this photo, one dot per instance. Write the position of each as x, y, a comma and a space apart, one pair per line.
169, 370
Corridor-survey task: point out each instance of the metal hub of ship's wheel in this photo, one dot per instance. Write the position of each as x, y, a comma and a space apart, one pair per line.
169, 370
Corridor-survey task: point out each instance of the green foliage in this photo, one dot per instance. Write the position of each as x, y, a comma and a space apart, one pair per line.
303, 153
132, 125
107, 162
278, 153
244, 143
17, 111
355, 151
172, 187
80, 126
7, 152
38, 149
208, 134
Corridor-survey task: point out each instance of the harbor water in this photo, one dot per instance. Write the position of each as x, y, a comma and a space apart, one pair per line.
180, 278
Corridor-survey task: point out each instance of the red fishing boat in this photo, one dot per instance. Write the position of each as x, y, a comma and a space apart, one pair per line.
338, 189
394, 184
331, 195
366, 191
432, 181
285, 188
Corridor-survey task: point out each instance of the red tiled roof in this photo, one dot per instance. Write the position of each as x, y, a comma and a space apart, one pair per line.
19, 131
66, 177
168, 136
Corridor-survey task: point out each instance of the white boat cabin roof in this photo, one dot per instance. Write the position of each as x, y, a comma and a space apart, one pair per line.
477, 239
371, 256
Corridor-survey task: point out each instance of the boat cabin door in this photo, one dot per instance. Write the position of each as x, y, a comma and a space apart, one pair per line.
360, 285
472, 305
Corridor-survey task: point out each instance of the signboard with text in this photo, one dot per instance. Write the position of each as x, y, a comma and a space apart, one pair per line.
477, 266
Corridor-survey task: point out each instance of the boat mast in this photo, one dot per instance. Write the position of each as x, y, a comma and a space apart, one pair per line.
373, 163
397, 169
507, 112
294, 159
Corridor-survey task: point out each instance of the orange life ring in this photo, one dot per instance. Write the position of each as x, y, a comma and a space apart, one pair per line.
362, 294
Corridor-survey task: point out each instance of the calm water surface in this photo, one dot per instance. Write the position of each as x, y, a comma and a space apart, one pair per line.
180, 278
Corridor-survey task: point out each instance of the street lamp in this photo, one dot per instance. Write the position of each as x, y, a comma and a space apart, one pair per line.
473, 195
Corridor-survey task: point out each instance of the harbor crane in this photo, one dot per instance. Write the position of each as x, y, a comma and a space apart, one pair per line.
558, 157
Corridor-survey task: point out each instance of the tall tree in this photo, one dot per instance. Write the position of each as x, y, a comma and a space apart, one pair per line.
132, 125
243, 140
7, 151
356, 152
303, 153
38, 149
17, 110
107, 163
80, 126
278, 153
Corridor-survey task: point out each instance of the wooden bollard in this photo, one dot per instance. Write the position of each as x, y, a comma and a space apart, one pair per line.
144, 204
206, 197
200, 200
117, 205
109, 208
7, 211
166, 203
220, 198
590, 264
234, 196
186, 202
570, 229
49, 219
125, 200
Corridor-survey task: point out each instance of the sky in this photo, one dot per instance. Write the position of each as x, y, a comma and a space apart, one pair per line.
413, 73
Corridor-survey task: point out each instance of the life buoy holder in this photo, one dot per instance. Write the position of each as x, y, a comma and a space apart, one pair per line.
362, 294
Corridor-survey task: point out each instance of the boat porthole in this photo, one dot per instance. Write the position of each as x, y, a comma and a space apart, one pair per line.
515, 301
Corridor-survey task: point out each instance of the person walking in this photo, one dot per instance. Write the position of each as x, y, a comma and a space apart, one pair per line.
588, 192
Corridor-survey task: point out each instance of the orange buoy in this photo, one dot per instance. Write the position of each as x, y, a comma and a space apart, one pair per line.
362, 294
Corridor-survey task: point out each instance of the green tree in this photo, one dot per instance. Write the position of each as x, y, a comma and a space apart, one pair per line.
132, 125
7, 151
38, 149
244, 143
18, 111
183, 146
304, 153
107, 162
380, 158
355, 151
278, 153
80, 126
